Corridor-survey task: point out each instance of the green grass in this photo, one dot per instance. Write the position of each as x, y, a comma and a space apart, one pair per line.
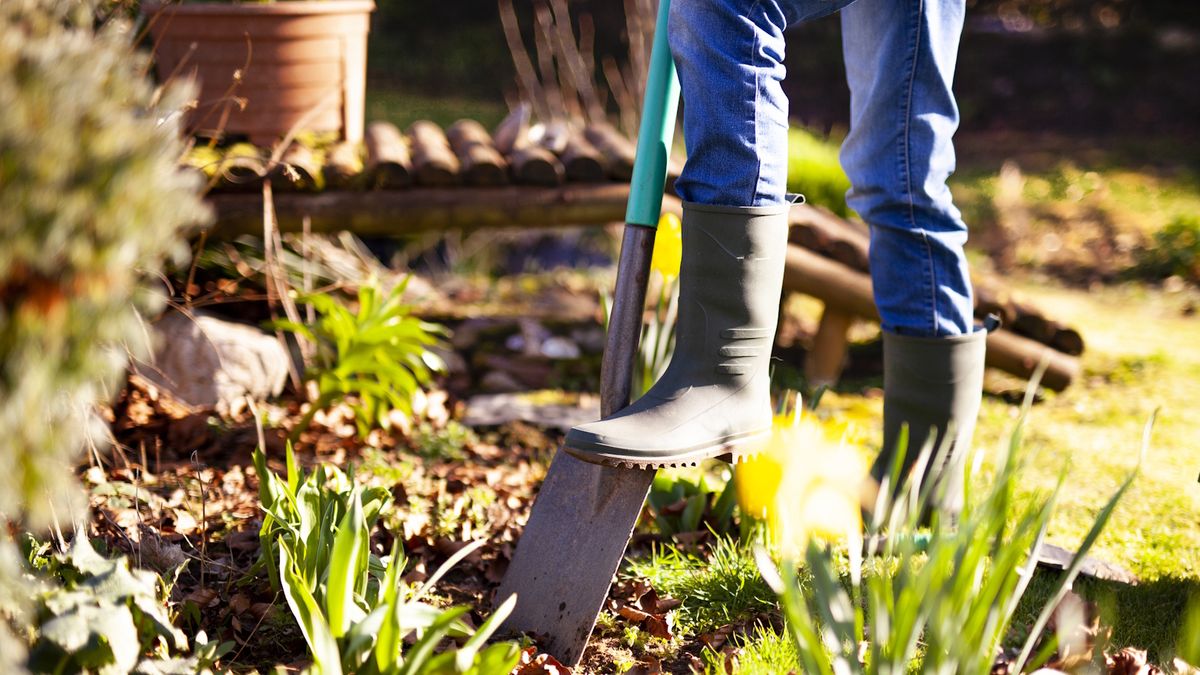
723, 588
402, 108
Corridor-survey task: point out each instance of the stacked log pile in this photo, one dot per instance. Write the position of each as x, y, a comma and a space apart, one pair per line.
426, 178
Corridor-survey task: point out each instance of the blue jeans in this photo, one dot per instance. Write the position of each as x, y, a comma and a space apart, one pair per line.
900, 57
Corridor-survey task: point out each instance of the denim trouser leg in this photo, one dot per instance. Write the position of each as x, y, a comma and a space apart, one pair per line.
899, 60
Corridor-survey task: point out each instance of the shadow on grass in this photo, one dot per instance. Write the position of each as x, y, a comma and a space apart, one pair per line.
1148, 616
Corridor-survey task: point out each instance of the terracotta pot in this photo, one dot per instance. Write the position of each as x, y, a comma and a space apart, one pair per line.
295, 64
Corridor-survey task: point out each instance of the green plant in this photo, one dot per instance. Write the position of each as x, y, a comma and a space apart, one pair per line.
93, 206
1189, 640
449, 442
305, 513
680, 505
97, 614
376, 357
945, 598
1175, 251
352, 631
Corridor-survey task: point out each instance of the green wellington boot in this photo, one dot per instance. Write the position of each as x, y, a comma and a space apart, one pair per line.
934, 385
714, 398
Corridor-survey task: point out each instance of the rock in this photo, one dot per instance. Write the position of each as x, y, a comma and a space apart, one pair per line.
206, 362
556, 347
546, 409
500, 381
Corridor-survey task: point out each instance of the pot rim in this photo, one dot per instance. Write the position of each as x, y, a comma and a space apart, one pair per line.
280, 8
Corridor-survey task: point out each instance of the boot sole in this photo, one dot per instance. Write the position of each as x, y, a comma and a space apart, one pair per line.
731, 449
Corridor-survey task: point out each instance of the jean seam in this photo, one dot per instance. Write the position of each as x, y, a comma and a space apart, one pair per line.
753, 60
918, 35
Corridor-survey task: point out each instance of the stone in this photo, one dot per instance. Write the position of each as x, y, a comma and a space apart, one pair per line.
548, 409
206, 362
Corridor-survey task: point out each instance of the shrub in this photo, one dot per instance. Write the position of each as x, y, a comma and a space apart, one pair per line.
93, 205
1175, 251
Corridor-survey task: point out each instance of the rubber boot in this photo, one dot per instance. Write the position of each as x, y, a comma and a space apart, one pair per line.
934, 386
714, 399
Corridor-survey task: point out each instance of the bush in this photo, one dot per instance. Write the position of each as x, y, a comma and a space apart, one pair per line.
93, 206
1175, 251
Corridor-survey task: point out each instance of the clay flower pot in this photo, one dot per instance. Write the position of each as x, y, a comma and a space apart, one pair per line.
295, 64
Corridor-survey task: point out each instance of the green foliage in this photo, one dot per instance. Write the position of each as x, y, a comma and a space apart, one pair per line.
105, 617
93, 205
447, 443
306, 512
1175, 251
376, 357
815, 171
680, 505
352, 608
948, 596
1189, 639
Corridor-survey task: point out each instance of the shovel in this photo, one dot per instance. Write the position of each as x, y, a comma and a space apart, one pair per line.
585, 513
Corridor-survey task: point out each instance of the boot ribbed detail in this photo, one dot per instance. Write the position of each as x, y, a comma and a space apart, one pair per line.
715, 395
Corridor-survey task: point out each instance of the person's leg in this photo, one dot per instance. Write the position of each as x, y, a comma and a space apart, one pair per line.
900, 57
715, 394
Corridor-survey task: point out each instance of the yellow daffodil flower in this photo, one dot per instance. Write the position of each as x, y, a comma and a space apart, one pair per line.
668, 246
807, 481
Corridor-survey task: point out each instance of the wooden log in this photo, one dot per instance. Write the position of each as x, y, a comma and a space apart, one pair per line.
482, 164
582, 162
434, 163
535, 165
824, 362
298, 168
388, 162
850, 291
344, 166
618, 151
1067, 341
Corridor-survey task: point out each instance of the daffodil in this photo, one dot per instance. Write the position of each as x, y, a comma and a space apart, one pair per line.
668, 246
807, 481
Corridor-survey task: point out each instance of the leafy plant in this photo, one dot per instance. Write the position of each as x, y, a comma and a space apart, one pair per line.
305, 513
944, 598
351, 606
376, 357
1175, 251
93, 207
680, 505
352, 631
105, 617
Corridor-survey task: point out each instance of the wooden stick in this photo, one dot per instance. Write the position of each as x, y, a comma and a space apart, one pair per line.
481, 164
388, 162
343, 166
434, 163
